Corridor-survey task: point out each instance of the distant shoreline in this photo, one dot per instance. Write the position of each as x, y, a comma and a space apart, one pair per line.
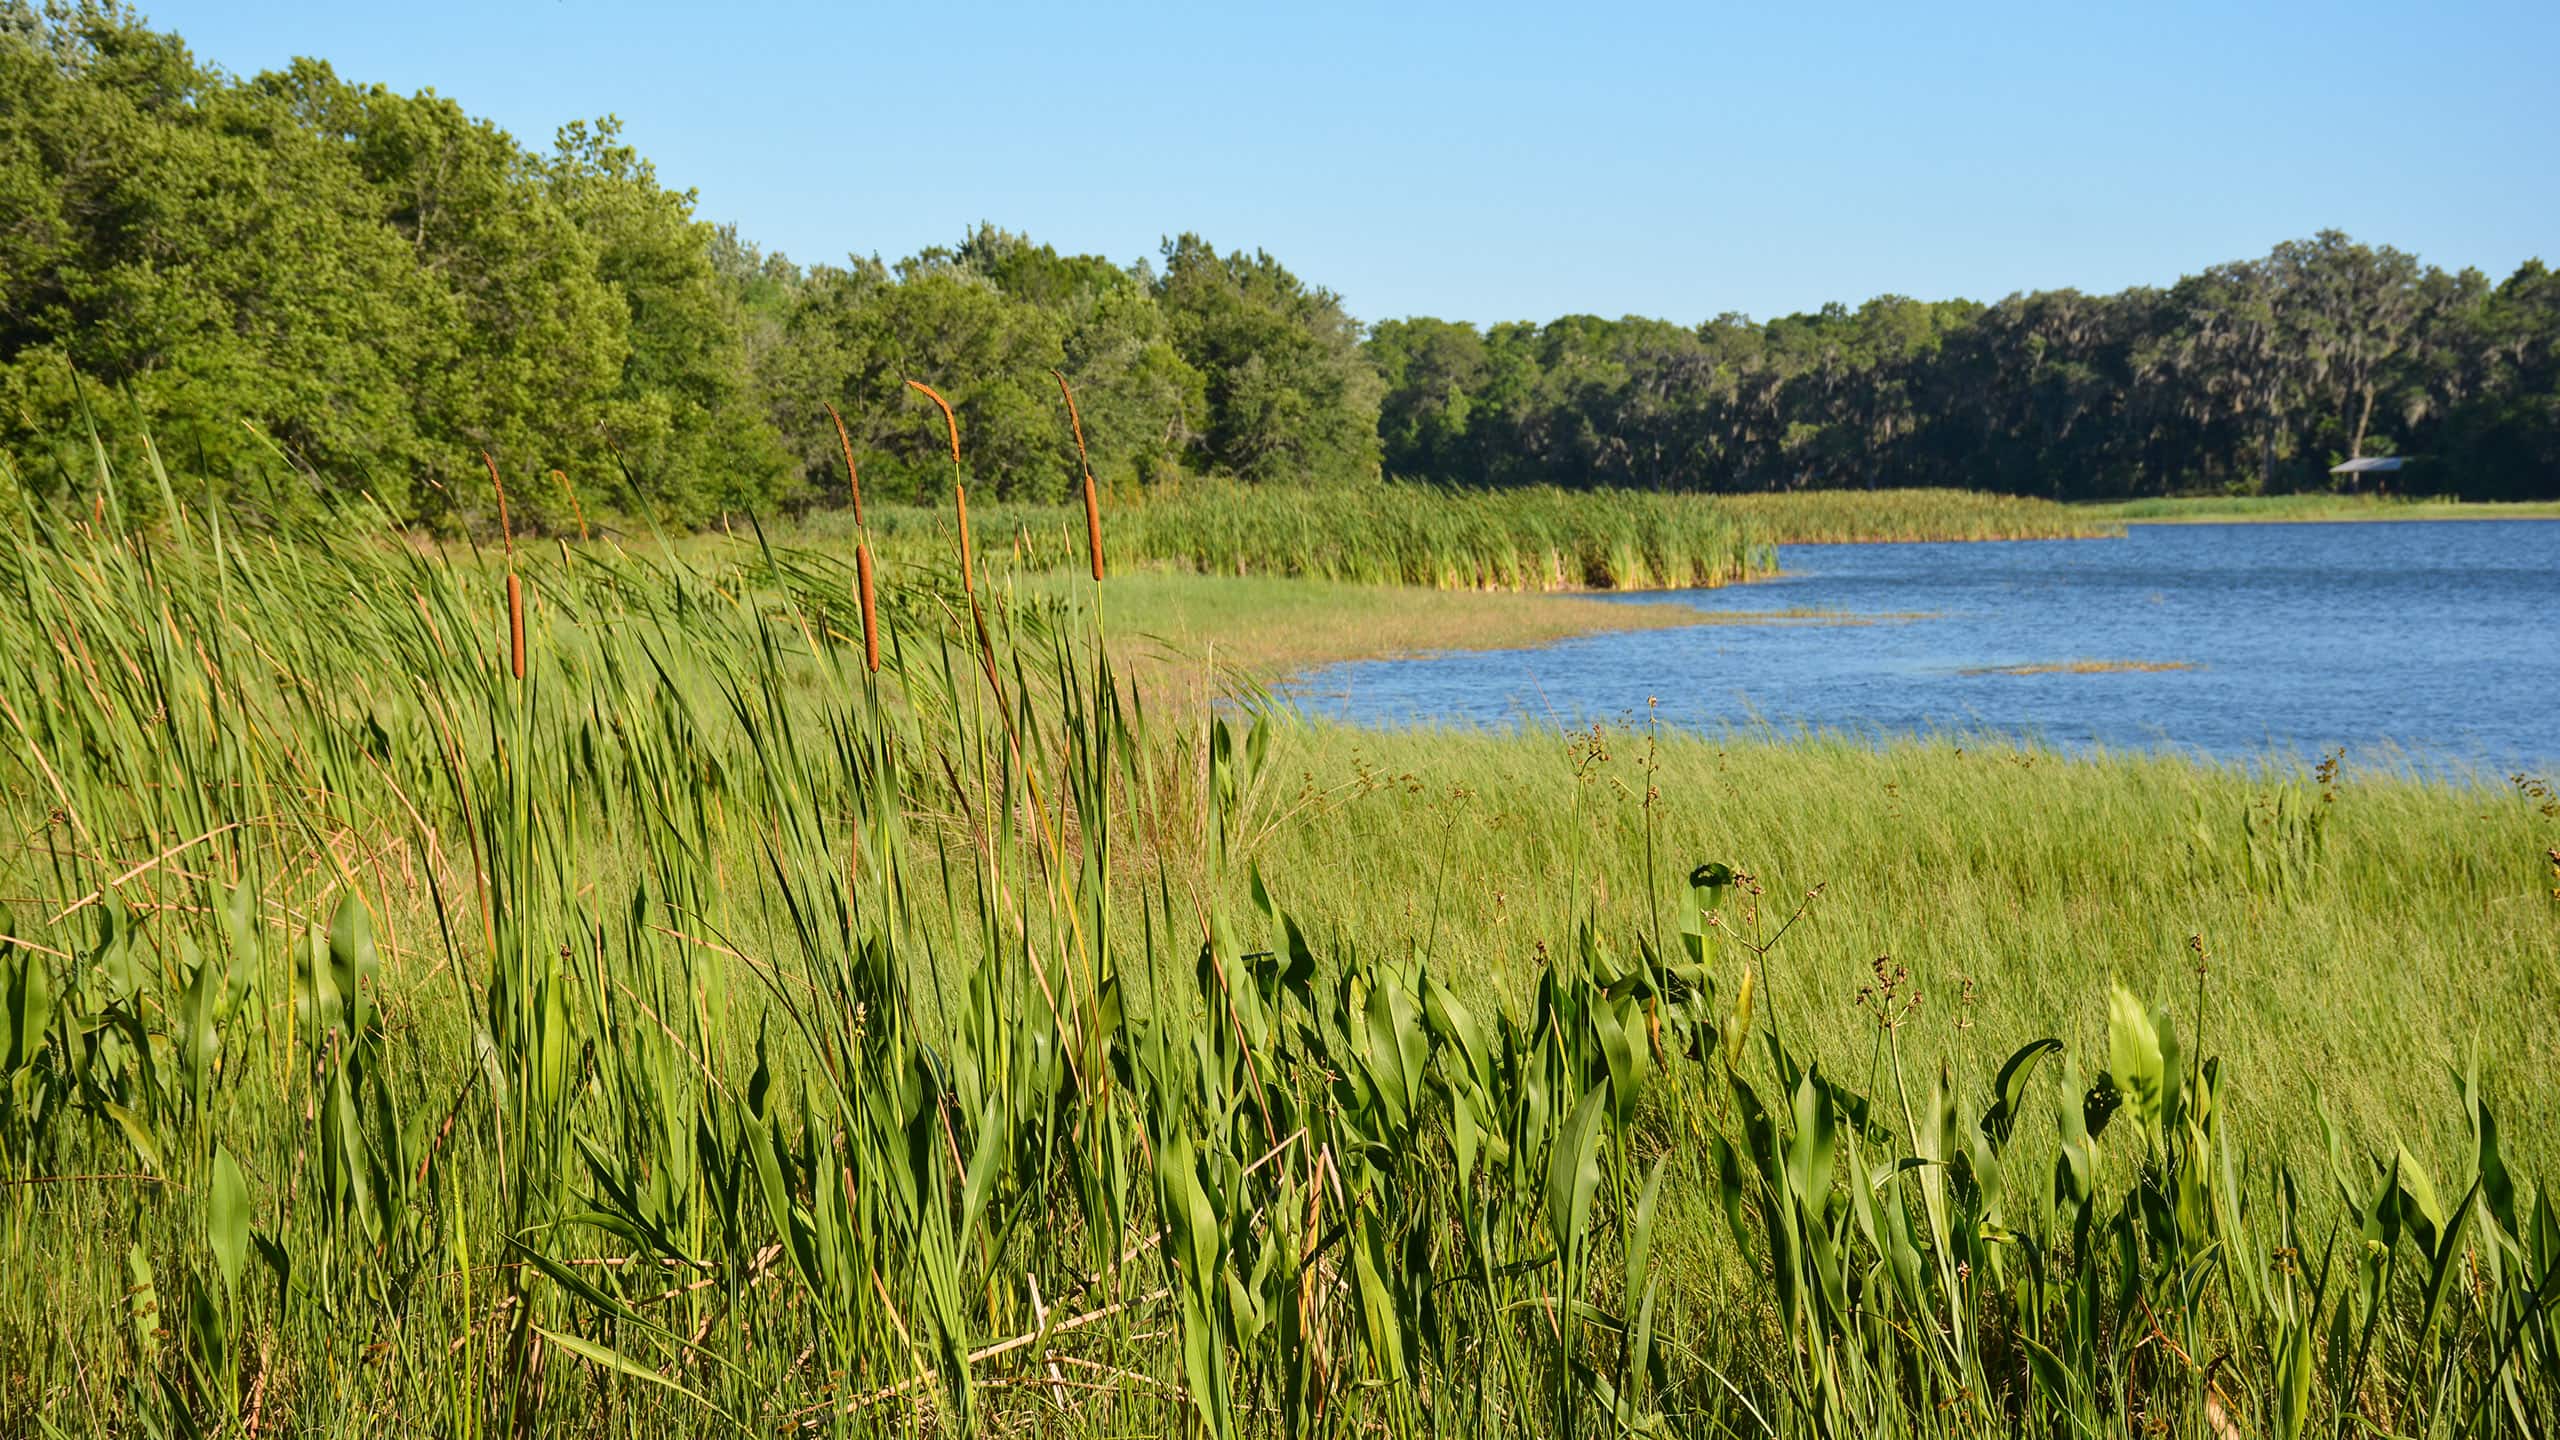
2275, 509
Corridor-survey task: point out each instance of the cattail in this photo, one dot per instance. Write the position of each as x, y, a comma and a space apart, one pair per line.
515, 587
948, 423
576, 509
959, 492
870, 616
851, 480
1092, 503
515, 624
506, 532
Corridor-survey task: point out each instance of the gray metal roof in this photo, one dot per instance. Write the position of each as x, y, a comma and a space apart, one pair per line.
2367, 464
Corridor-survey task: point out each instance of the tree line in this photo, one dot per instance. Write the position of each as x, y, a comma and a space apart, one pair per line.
2253, 376
306, 284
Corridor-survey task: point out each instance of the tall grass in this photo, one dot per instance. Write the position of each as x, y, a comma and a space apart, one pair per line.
1530, 539
2320, 507
692, 1029
1834, 517
1391, 534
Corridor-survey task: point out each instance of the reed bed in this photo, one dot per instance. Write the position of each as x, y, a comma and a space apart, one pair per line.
2229, 508
1528, 539
688, 1028
1385, 534
1837, 517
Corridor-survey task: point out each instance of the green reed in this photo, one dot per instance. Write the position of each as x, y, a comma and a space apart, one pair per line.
690, 1027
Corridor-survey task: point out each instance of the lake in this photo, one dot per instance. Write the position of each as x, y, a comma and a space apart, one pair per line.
2429, 644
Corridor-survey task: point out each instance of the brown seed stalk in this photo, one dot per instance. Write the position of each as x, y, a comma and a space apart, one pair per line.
851, 479
948, 422
515, 623
959, 492
1092, 502
515, 587
576, 509
870, 616
506, 532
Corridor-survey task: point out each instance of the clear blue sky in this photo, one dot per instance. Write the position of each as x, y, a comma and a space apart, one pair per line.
1491, 161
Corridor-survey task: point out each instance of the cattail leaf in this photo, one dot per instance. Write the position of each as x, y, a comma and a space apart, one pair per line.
614, 1360
984, 1159
29, 983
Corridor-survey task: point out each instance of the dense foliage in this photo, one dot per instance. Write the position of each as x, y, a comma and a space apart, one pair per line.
293, 275
375, 287
2252, 376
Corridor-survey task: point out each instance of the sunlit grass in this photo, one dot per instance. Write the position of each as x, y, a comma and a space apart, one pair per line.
573, 992
2209, 508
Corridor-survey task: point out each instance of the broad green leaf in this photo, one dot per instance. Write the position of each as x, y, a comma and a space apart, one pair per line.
2009, 1090
2133, 1058
1573, 1172
227, 1218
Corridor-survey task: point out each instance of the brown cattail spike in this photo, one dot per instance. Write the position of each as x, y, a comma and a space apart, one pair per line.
515, 624
948, 422
576, 509
1075, 422
870, 615
1093, 527
959, 492
1092, 502
851, 479
506, 532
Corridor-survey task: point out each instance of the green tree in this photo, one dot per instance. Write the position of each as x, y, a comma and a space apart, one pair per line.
1290, 396
684, 416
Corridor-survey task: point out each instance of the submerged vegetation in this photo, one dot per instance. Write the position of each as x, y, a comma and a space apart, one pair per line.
622, 990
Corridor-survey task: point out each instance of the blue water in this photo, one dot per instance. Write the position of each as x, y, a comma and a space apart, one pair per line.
2430, 645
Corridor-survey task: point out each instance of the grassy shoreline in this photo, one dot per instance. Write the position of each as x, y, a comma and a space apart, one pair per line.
602, 1003
2274, 509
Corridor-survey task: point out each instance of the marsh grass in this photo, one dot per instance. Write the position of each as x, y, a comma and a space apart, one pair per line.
1528, 539
1810, 517
2232, 508
692, 1028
